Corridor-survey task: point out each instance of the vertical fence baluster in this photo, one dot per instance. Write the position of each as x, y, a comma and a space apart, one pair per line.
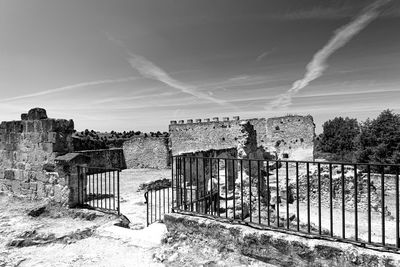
172, 183
204, 187
259, 191
308, 197
355, 203
101, 188
269, 196
297, 197
397, 207
219, 192
169, 204
251, 212
277, 193
79, 186
343, 206
113, 189
191, 184
109, 190
383, 204
146, 196
234, 187
211, 190
369, 201
319, 199
164, 199
241, 187
97, 188
87, 198
105, 189
184, 185
180, 184
119, 204
197, 188
287, 195
226, 189
330, 200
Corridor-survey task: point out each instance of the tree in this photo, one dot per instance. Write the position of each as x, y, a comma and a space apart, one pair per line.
379, 140
339, 137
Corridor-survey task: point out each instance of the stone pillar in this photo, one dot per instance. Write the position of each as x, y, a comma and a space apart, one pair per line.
67, 165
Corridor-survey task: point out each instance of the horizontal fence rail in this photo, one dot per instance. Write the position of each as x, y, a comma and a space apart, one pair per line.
99, 188
350, 202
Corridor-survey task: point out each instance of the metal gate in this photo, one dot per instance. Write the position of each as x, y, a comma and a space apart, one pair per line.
159, 203
99, 188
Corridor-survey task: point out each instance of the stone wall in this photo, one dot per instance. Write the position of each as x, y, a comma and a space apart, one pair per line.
277, 248
147, 152
106, 158
203, 136
292, 137
28, 148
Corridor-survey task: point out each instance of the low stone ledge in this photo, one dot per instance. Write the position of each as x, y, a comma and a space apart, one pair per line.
279, 248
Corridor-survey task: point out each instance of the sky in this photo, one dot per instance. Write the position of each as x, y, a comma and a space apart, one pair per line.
138, 64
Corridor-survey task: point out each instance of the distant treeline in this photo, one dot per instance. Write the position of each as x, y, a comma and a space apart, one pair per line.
372, 141
90, 139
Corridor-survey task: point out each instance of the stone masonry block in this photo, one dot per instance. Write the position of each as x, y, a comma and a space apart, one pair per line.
9, 174
37, 114
41, 190
33, 186
26, 185
38, 126
16, 187
47, 147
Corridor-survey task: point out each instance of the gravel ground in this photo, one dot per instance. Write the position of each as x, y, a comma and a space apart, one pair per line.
78, 237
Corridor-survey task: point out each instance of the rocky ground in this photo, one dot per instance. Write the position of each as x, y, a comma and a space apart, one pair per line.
76, 237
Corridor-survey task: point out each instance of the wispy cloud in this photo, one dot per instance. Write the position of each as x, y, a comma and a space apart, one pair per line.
263, 55
318, 64
151, 71
128, 98
69, 87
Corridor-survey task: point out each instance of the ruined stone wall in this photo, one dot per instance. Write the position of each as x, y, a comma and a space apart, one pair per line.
209, 135
106, 158
28, 148
292, 137
147, 152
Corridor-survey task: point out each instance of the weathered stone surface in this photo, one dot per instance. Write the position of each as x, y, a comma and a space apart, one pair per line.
292, 137
147, 152
106, 158
9, 174
278, 248
205, 136
37, 114
27, 152
24, 116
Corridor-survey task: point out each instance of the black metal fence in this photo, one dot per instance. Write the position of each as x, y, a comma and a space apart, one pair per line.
99, 188
159, 202
356, 203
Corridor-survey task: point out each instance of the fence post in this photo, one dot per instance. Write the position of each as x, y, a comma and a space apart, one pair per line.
119, 206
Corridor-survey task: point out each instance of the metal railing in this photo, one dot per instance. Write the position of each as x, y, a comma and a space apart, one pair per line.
350, 202
99, 188
158, 203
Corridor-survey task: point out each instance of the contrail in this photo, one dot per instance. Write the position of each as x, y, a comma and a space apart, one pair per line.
318, 65
151, 71
70, 87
